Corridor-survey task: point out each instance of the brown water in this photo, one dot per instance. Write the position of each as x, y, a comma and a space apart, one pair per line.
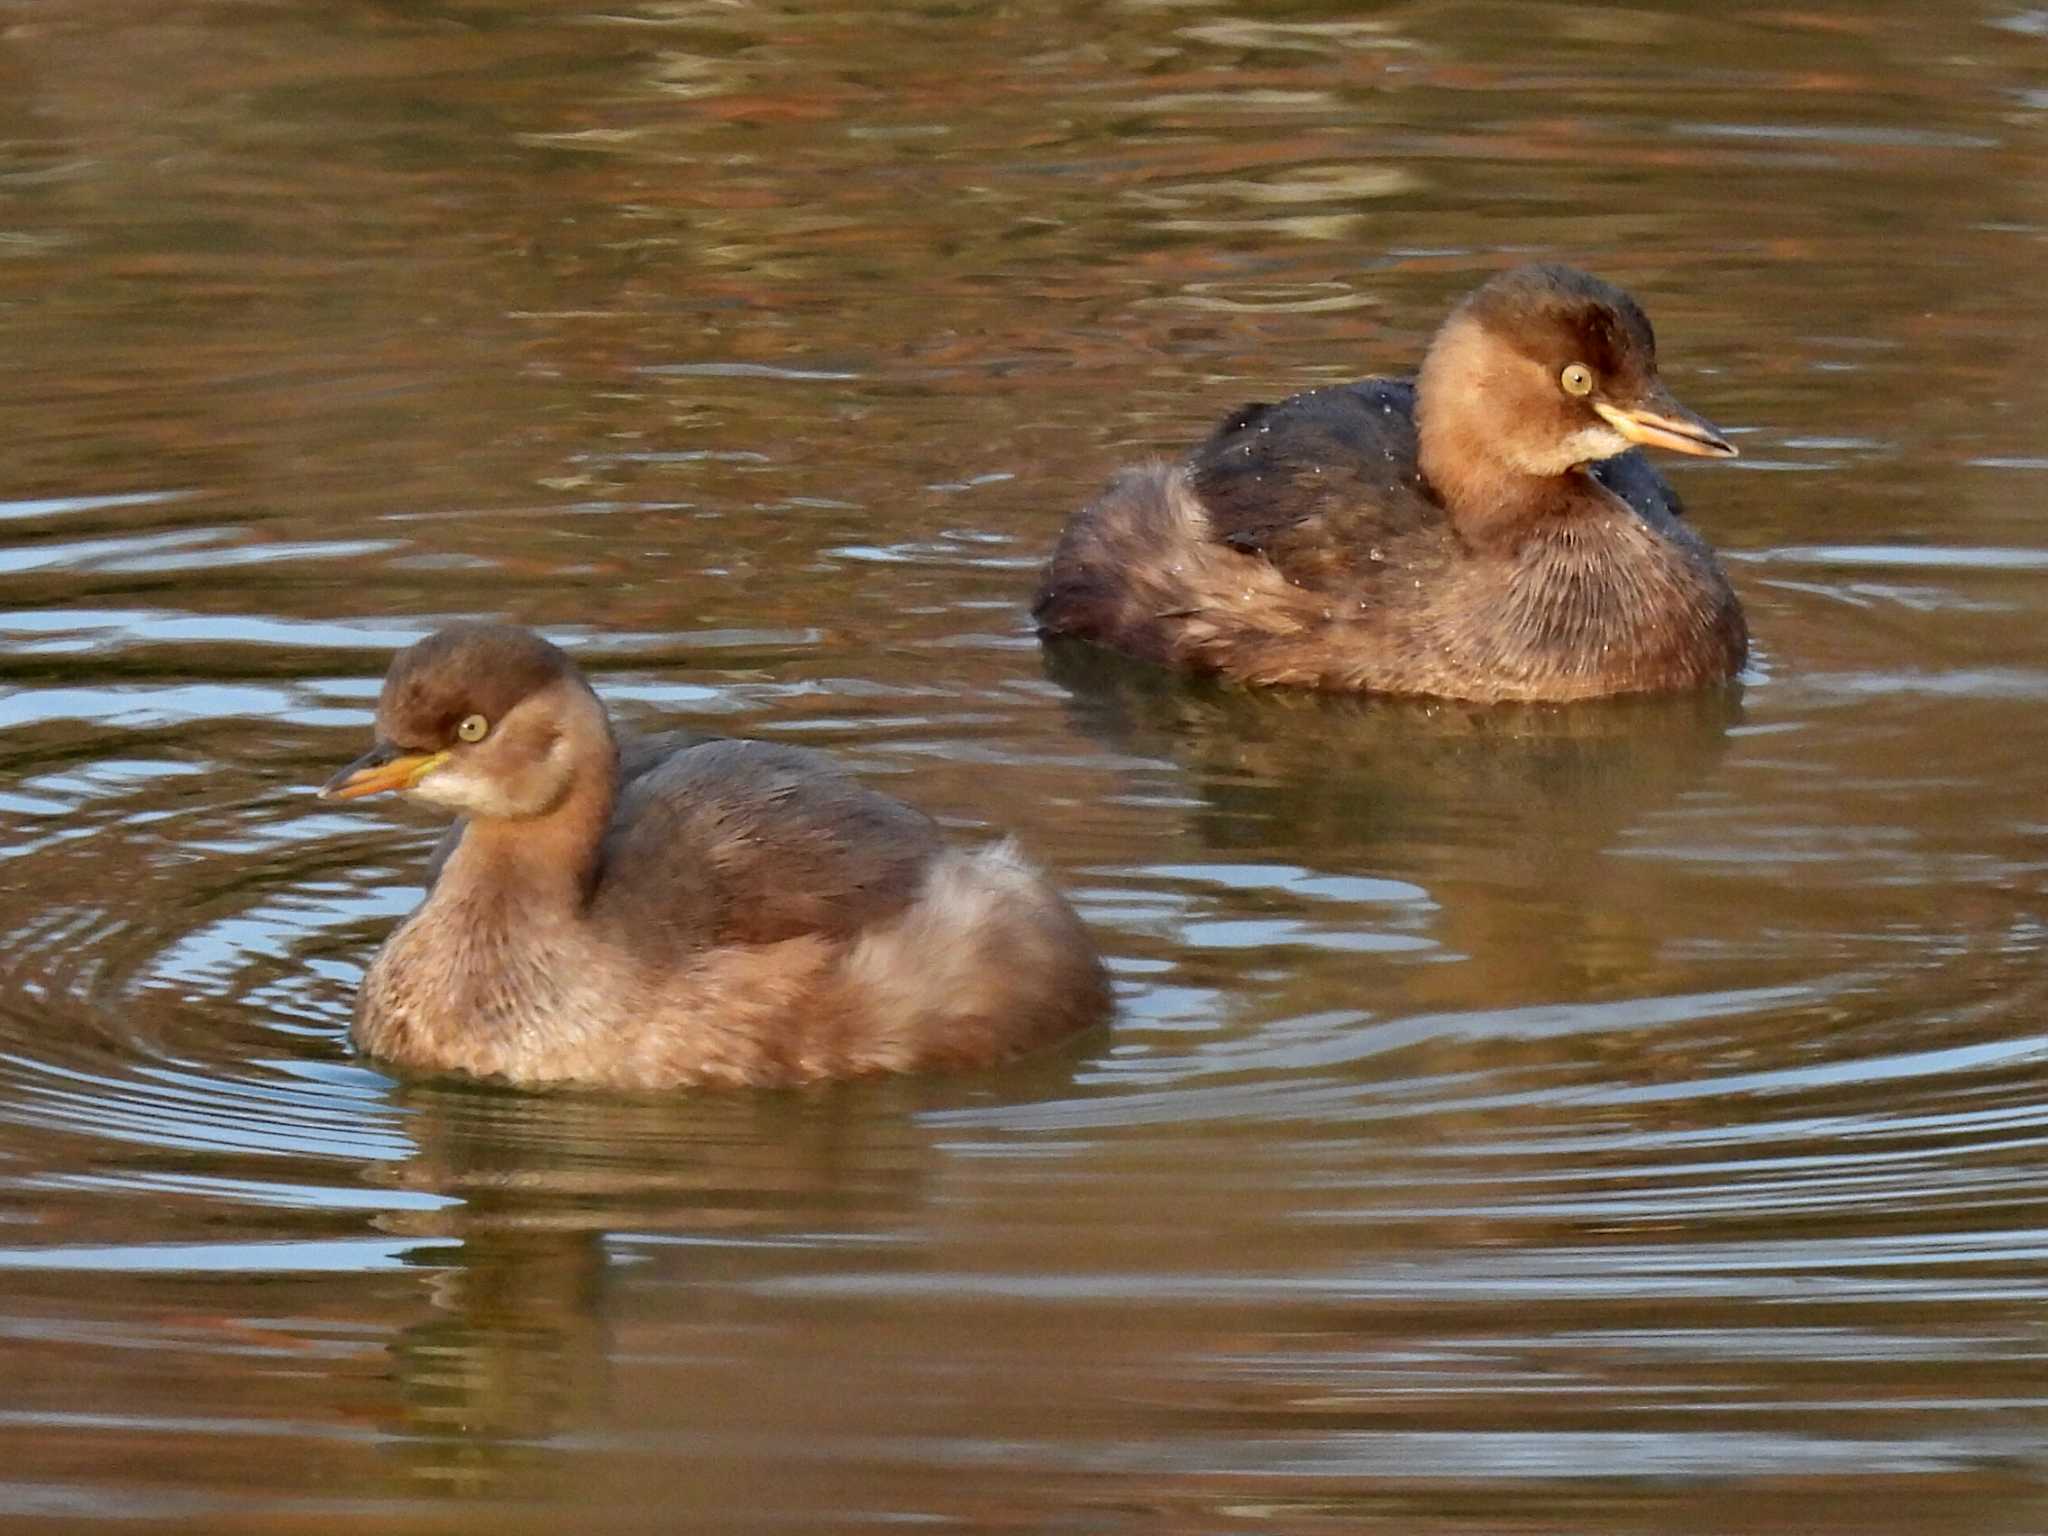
1611, 1120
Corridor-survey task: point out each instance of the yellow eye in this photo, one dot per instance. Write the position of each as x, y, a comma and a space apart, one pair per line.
1577, 379
473, 728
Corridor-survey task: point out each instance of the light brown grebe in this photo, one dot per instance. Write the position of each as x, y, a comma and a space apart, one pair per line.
732, 912
1484, 532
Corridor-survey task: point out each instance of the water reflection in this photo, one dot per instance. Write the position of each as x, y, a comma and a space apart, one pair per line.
540, 1217
1497, 838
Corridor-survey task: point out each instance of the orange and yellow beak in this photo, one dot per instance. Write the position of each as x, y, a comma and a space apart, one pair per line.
382, 767
1658, 421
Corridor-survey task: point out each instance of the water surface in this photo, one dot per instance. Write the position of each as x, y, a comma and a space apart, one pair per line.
1618, 1119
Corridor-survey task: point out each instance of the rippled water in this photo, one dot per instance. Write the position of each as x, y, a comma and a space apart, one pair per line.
1615, 1119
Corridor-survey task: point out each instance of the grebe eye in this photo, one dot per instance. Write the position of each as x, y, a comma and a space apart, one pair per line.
473, 728
1577, 379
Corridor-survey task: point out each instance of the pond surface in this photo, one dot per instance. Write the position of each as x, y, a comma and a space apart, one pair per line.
1617, 1119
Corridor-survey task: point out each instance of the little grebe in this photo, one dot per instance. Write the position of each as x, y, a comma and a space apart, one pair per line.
731, 912
1483, 532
